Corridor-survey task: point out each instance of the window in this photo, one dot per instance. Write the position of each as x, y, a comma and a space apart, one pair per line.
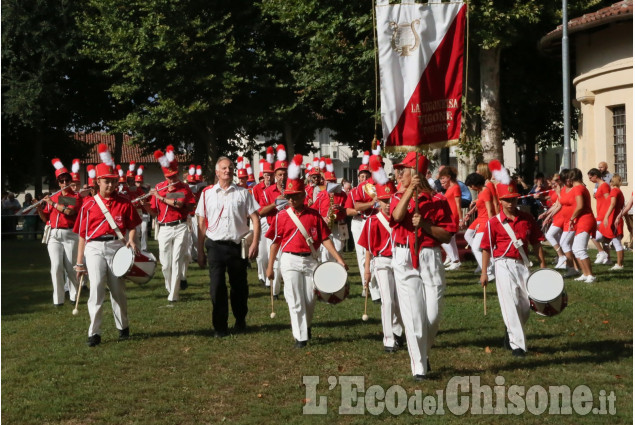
619, 141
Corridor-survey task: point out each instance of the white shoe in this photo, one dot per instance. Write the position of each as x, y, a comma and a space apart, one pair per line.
447, 261
571, 271
606, 261
453, 266
617, 267
477, 270
590, 279
581, 278
562, 263
601, 256
490, 277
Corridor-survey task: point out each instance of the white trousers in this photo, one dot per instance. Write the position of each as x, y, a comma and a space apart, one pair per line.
391, 322
420, 293
142, 231
188, 255
566, 240
469, 235
193, 238
580, 244
338, 241
511, 287
98, 257
451, 250
277, 278
357, 226
62, 248
172, 254
553, 235
263, 250
475, 245
297, 273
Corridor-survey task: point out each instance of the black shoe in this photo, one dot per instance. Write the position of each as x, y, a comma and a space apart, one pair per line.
240, 326
300, 344
518, 352
276, 297
67, 294
377, 301
262, 282
58, 305
428, 365
390, 349
419, 378
400, 340
309, 332
220, 334
184, 285
506, 341
124, 334
94, 340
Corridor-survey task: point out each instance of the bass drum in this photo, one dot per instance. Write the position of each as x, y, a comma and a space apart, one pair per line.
137, 268
330, 280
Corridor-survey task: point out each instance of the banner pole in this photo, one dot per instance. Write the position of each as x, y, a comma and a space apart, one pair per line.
416, 195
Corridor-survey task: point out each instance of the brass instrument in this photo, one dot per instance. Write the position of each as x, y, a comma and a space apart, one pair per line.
370, 190
331, 214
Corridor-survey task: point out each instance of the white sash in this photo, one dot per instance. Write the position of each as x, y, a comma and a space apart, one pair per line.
383, 220
109, 218
518, 244
302, 229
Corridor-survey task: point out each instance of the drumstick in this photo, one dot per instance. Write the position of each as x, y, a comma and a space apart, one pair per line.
484, 300
273, 313
365, 316
79, 292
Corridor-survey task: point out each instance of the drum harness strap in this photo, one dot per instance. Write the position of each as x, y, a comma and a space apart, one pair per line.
302, 229
109, 218
518, 244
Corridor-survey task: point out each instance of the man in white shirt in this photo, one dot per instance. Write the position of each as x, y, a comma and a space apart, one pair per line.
223, 212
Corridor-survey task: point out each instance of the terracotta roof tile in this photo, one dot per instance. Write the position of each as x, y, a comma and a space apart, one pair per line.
129, 152
620, 11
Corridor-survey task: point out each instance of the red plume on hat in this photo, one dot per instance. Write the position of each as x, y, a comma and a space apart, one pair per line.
163, 160
91, 175
308, 167
59, 167
169, 153
199, 173
366, 158
104, 154
250, 173
191, 174
498, 171
132, 166
322, 163
329, 165
269, 155
119, 171
170, 167
377, 170
281, 153
294, 184
139, 176
316, 162
75, 166
377, 150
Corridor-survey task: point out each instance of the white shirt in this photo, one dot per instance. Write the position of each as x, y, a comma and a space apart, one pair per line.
227, 212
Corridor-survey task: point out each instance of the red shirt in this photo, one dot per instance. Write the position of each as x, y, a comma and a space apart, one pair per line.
323, 203
284, 231
375, 238
525, 228
258, 191
433, 207
309, 195
270, 195
91, 222
167, 213
602, 199
613, 230
452, 194
358, 195
568, 205
59, 220
485, 195
585, 221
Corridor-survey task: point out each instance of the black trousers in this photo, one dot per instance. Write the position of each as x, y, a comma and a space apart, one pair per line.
221, 258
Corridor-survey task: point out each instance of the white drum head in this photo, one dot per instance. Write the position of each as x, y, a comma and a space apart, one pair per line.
545, 285
122, 261
330, 277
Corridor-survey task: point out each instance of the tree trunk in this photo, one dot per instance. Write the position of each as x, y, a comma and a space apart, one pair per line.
289, 140
491, 130
118, 148
37, 162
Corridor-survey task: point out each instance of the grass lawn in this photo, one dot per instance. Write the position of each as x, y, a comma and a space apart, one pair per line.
173, 371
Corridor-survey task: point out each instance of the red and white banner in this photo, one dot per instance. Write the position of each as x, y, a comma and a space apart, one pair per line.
421, 48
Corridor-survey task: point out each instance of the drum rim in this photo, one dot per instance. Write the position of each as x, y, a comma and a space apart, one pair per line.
330, 263
559, 296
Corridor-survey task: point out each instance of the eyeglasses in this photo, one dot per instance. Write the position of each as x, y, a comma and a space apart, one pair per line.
293, 197
64, 180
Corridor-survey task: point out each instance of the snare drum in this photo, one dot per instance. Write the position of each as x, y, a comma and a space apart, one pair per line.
330, 280
547, 296
136, 268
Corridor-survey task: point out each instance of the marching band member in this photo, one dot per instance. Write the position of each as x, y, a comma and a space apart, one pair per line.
224, 212
485, 210
123, 186
251, 181
331, 208
360, 205
60, 211
297, 260
98, 243
274, 195
258, 192
241, 172
420, 276
511, 265
376, 240
447, 178
602, 202
75, 180
316, 180
170, 203
610, 227
583, 223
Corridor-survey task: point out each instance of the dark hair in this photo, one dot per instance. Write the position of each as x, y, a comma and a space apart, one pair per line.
475, 179
574, 174
540, 175
594, 172
563, 173
448, 172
